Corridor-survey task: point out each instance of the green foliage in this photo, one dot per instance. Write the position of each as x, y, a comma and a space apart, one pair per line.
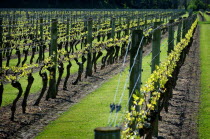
148, 4
192, 6
143, 4
196, 5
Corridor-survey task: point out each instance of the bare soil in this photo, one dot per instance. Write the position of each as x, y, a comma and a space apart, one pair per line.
181, 120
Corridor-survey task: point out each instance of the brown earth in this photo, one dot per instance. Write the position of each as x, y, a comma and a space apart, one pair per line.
181, 120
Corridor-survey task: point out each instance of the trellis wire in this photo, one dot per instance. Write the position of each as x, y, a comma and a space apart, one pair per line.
119, 79
127, 79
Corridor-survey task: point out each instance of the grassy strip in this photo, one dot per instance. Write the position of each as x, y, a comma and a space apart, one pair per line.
204, 113
93, 110
207, 17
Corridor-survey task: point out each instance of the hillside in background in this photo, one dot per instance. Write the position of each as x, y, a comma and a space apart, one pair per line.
103, 4
108, 4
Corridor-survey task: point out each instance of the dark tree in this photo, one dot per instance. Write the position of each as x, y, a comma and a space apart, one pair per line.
149, 4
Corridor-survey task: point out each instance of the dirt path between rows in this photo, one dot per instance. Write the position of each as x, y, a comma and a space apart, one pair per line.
181, 120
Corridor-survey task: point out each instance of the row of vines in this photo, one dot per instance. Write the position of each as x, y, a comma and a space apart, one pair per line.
150, 99
46, 42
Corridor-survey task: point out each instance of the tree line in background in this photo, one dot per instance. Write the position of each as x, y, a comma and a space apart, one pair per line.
106, 4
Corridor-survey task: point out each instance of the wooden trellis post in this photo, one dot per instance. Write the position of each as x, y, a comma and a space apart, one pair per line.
113, 28
155, 62
1, 36
156, 46
67, 29
179, 31
89, 55
53, 52
138, 23
1, 47
184, 28
128, 26
135, 69
135, 75
107, 133
41, 35
145, 22
10, 29
67, 34
170, 36
37, 23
